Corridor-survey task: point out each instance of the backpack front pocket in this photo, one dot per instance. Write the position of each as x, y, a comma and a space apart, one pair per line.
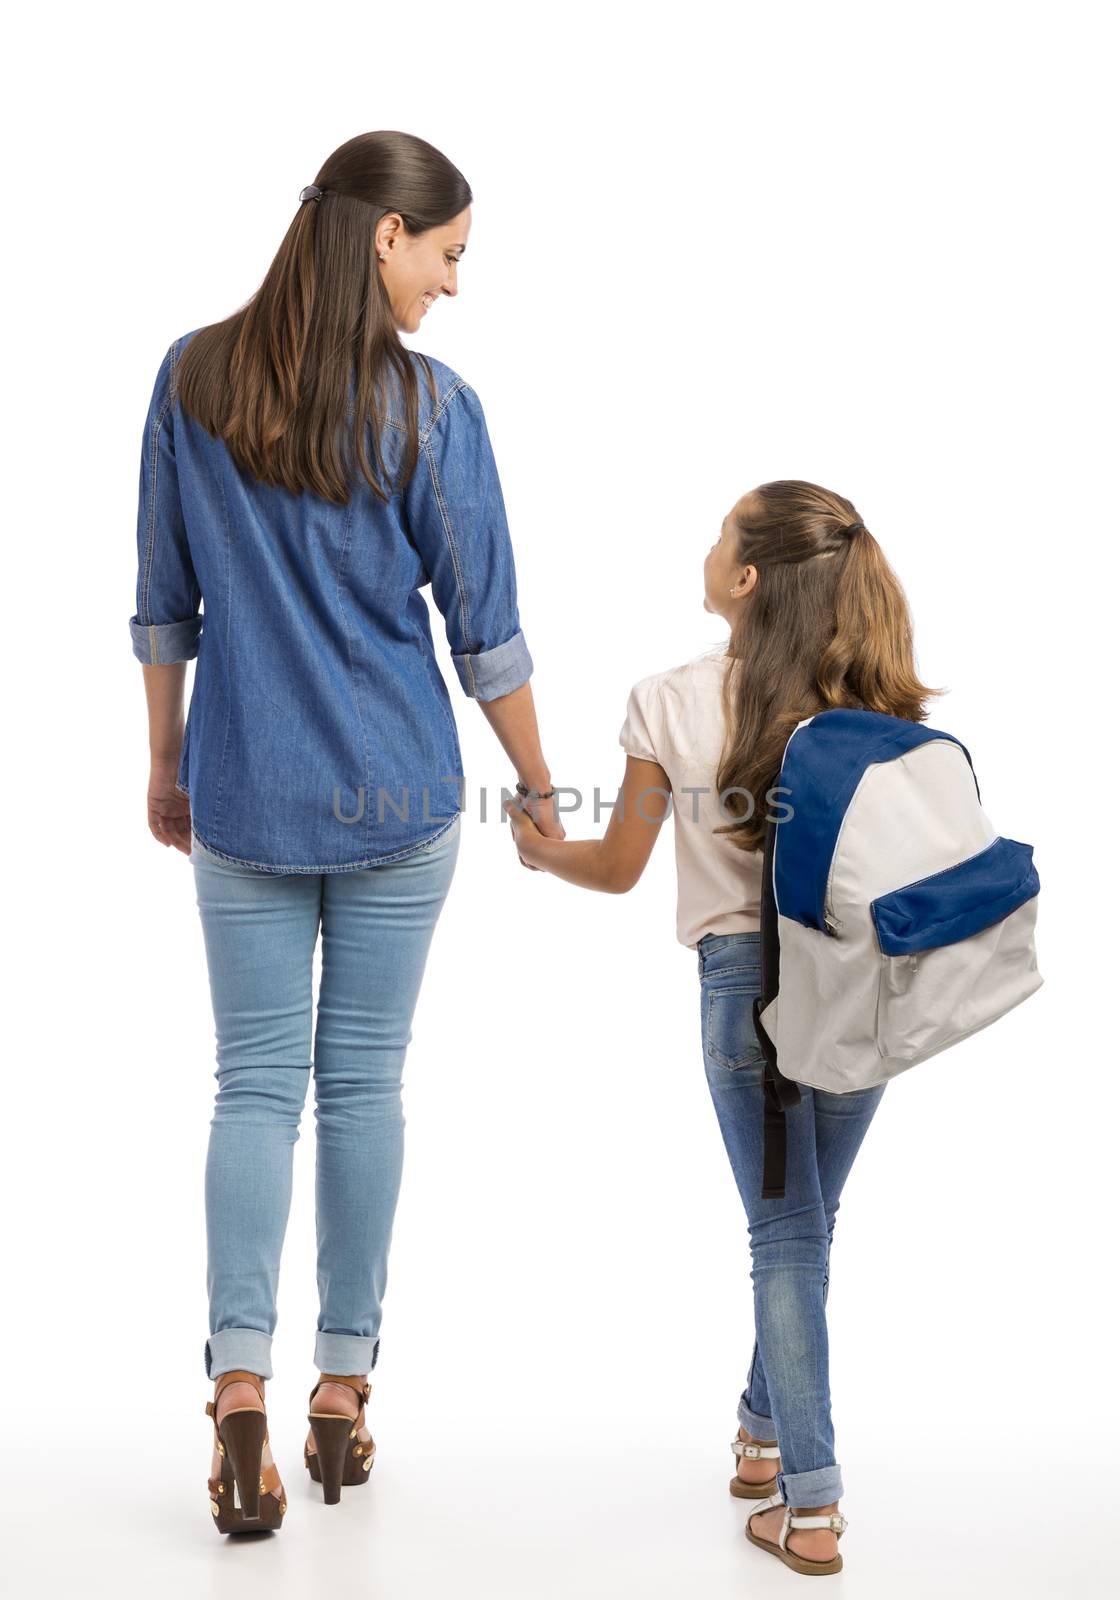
956, 950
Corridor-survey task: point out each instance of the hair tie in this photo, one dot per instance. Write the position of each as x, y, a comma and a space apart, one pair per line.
851, 530
311, 191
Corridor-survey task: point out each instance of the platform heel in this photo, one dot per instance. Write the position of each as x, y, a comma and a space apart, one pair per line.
244, 1497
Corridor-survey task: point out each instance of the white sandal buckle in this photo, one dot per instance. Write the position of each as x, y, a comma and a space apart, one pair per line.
754, 1452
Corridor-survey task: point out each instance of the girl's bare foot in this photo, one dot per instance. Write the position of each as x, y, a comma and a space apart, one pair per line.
815, 1544
762, 1470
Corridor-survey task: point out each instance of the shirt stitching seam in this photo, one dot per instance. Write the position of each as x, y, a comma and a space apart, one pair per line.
464, 608
149, 551
346, 542
441, 408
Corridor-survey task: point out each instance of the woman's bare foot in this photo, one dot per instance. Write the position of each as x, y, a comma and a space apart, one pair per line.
762, 1470
338, 1399
814, 1544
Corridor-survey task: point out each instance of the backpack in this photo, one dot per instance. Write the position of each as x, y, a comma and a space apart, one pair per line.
895, 921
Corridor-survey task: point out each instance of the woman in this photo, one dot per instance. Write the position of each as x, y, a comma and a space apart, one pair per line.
299, 486
817, 619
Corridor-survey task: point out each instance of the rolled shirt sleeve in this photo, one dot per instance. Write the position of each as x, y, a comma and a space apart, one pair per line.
457, 519
636, 736
166, 625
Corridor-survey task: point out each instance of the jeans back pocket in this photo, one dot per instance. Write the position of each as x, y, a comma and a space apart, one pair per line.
730, 1040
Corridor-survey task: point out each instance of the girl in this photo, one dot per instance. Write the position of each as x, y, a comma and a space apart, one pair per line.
306, 474
818, 619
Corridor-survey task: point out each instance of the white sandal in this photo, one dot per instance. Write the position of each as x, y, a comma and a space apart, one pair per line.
836, 1521
753, 1452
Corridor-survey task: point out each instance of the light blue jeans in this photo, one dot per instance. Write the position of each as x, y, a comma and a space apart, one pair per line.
260, 931
786, 1400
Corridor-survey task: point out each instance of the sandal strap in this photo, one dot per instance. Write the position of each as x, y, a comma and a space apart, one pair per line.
360, 1386
765, 1505
754, 1452
836, 1521
238, 1375
270, 1477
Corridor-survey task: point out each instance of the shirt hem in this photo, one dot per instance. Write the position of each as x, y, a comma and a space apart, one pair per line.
337, 866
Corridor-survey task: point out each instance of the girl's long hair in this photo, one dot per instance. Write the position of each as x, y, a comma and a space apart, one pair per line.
272, 380
827, 624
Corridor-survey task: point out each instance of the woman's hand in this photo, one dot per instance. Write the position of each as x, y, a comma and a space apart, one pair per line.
169, 812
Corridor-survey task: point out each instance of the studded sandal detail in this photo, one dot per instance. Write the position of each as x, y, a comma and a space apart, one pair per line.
245, 1496
336, 1453
835, 1521
753, 1452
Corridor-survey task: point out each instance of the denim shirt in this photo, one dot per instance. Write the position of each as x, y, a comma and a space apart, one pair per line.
320, 735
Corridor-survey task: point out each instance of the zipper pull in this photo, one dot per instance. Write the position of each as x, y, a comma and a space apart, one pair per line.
831, 923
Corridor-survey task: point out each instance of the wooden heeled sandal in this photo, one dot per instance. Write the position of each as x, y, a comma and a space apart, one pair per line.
339, 1456
245, 1497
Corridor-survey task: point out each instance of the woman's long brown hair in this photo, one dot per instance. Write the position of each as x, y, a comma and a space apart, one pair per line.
827, 624
272, 379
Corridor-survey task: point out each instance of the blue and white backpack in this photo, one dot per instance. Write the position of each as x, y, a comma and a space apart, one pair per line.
895, 921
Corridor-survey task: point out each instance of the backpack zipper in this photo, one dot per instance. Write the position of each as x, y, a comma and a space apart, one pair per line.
831, 922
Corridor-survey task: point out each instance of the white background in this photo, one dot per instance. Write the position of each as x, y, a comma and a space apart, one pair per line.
713, 245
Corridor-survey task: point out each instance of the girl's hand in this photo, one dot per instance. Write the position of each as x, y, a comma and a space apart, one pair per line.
169, 812
526, 834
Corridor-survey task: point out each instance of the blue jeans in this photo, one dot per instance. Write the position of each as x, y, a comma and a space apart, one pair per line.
260, 931
786, 1400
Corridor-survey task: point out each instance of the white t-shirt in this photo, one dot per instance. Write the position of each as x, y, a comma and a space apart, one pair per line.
676, 719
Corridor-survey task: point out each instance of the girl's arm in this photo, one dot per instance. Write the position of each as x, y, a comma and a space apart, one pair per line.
614, 863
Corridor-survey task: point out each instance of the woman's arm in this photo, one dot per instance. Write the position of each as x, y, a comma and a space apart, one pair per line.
167, 624
513, 717
456, 514
614, 863
169, 812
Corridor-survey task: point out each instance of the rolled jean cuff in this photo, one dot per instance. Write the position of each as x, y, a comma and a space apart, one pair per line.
817, 1488
758, 1426
244, 1348
345, 1352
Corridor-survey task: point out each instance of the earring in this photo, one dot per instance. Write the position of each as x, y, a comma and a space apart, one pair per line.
380, 257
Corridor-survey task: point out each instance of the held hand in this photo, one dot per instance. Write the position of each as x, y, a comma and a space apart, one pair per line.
169, 812
525, 832
546, 817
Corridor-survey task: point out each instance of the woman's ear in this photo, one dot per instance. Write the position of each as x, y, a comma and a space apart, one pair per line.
386, 232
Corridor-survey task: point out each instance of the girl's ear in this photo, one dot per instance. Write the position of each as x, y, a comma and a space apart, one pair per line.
748, 577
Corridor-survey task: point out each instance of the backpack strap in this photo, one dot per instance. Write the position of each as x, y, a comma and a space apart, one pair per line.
778, 1091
